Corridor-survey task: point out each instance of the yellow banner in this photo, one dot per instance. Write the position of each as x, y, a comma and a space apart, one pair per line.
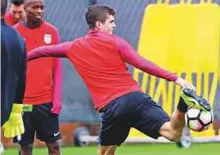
184, 39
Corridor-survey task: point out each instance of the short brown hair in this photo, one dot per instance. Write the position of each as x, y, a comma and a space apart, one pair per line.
96, 13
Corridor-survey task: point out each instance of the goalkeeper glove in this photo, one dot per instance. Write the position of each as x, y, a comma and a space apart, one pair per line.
14, 126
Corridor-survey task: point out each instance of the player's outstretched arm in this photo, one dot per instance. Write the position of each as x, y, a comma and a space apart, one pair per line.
128, 55
57, 86
59, 50
184, 84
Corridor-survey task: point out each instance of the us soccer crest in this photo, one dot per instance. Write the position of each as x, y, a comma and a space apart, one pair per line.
47, 38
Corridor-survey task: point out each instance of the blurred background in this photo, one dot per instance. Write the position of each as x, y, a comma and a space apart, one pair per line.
78, 111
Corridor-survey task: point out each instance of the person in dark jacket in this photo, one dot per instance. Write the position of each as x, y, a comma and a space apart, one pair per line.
13, 77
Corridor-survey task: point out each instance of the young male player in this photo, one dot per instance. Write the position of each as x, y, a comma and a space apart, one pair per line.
42, 101
100, 58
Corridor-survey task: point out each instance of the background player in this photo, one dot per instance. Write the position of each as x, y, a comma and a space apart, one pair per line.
15, 13
43, 88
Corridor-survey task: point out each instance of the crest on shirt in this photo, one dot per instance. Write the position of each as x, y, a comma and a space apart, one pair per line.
47, 38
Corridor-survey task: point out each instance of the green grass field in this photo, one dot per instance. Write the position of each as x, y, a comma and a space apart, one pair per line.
138, 149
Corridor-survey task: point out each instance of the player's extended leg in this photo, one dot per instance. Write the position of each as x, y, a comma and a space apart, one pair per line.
53, 147
173, 129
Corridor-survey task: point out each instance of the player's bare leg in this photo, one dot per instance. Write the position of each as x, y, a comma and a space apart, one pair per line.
173, 129
107, 150
26, 149
53, 148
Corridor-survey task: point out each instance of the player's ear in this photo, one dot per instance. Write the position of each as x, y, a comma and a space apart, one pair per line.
98, 24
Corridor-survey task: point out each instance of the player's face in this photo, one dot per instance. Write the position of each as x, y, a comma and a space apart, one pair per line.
109, 25
35, 11
17, 12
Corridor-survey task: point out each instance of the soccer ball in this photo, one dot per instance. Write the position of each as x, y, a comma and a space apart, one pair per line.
198, 120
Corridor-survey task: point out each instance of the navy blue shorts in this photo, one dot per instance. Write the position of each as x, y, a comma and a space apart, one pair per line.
135, 110
39, 119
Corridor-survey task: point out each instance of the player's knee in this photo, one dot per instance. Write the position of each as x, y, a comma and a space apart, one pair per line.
173, 135
101, 150
54, 147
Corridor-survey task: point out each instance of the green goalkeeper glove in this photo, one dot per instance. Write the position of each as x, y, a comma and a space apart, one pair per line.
14, 126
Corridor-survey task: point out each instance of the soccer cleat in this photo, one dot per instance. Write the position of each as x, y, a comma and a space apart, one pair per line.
194, 101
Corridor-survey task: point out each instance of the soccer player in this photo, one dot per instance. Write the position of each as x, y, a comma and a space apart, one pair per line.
42, 100
13, 77
16, 12
100, 58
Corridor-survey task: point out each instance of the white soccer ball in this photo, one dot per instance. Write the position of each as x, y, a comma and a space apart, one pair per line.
198, 120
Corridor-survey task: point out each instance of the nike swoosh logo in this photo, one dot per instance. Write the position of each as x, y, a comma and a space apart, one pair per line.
56, 134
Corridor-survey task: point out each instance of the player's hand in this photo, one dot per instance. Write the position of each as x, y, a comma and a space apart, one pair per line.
56, 108
14, 126
184, 84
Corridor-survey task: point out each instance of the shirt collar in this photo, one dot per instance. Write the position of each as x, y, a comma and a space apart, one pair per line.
91, 31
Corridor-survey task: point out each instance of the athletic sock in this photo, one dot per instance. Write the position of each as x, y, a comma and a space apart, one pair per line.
182, 106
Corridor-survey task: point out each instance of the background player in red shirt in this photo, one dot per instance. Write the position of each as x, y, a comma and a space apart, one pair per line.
15, 13
100, 58
42, 101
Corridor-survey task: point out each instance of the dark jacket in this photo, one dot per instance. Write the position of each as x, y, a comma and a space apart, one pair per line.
13, 69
